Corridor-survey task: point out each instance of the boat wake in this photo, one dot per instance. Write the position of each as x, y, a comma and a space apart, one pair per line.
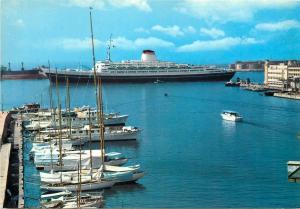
268, 127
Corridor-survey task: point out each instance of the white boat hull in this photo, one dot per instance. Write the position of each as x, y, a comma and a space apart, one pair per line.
74, 166
84, 187
231, 118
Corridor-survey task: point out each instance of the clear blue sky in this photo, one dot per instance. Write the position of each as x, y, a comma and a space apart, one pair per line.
189, 31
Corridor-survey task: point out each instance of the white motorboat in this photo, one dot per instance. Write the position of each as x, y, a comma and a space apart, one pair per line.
70, 160
66, 200
79, 118
113, 118
231, 116
87, 201
116, 133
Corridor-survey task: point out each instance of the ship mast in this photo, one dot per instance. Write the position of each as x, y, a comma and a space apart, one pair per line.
109, 46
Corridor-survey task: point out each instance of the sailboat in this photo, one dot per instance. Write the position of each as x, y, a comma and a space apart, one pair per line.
94, 181
116, 173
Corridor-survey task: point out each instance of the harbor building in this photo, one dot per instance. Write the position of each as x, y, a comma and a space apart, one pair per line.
282, 75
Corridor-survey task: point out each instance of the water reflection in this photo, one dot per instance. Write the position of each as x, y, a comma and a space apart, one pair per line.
124, 188
123, 144
229, 127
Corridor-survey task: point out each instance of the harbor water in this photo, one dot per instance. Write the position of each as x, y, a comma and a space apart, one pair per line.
191, 156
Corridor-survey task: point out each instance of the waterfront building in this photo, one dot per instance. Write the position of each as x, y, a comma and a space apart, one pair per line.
283, 75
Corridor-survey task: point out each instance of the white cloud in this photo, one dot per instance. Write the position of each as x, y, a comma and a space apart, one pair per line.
100, 4
126, 44
174, 30
169, 30
96, 4
278, 26
212, 32
141, 30
220, 44
20, 23
139, 4
123, 43
152, 42
230, 10
119, 42
189, 29
76, 43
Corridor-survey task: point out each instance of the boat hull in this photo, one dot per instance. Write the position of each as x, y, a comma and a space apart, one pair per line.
61, 77
84, 186
74, 166
231, 118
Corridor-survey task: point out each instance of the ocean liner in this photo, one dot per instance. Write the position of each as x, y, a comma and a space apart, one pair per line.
148, 69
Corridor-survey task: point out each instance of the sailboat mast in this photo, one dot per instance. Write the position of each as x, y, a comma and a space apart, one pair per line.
98, 98
77, 191
60, 143
50, 90
101, 124
90, 141
51, 109
59, 120
69, 106
79, 194
93, 53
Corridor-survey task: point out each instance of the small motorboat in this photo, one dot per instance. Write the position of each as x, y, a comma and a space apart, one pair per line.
233, 84
231, 116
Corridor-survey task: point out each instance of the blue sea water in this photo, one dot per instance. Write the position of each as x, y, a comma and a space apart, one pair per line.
192, 157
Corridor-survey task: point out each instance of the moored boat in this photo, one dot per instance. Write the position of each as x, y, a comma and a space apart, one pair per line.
232, 84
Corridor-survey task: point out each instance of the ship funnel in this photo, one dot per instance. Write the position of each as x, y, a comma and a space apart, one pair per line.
148, 56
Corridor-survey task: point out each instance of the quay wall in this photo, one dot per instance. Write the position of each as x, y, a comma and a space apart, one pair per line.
288, 96
11, 162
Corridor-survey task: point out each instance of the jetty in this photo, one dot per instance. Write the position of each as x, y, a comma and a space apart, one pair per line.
11, 166
5, 149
